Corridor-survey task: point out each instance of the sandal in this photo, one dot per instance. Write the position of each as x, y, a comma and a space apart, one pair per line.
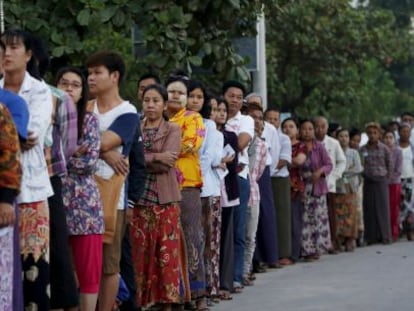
285, 262
215, 298
225, 295
209, 302
237, 290
275, 265
247, 282
252, 276
202, 305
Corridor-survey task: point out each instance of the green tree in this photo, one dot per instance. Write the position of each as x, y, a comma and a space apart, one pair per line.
184, 34
401, 69
320, 54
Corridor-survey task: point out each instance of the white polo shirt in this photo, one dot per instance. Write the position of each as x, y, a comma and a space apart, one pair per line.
242, 124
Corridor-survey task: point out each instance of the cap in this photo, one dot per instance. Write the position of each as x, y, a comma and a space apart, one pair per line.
18, 110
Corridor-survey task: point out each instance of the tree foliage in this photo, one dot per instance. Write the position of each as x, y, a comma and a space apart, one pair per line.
184, 34
198, 33
325, 56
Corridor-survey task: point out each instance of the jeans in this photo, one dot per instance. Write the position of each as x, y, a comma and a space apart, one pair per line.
240, 229
252, 220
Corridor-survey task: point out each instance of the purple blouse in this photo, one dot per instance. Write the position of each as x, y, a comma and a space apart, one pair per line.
319, 158
80, 192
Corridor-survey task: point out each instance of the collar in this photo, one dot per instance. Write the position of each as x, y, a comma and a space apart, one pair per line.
26, 85
179, 114
236, 117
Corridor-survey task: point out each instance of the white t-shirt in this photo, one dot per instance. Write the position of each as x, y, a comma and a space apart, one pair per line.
407, 163
271, 138
105, 121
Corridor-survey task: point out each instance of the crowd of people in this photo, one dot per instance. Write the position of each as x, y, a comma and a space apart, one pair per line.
180, 205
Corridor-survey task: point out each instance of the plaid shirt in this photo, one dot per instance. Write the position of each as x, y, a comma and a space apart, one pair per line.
65, 133
377, 160
257, 164
150, 194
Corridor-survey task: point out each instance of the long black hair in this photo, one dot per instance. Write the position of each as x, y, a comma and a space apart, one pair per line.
83, 100
205, 110
293, 119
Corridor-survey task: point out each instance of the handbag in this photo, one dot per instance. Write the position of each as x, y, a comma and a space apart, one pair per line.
110, 191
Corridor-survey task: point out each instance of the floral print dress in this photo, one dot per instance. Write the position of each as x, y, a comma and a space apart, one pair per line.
81, 197
316, 237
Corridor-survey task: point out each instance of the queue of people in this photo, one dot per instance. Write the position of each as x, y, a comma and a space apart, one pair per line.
179, 205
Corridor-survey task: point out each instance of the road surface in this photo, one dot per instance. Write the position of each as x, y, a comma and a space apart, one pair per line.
372, 278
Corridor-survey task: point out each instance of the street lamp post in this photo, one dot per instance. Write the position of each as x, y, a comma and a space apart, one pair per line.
260, 75
1, 16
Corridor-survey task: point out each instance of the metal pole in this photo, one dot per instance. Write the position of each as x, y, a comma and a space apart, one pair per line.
260, 76
1, 16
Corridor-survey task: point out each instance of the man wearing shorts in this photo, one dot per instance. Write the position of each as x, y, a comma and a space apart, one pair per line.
118, 120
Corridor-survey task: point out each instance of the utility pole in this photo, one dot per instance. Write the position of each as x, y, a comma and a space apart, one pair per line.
260, 75
1, 16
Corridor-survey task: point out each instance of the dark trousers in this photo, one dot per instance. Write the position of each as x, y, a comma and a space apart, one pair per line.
267, 245
128, 274
332, 220
63, 291
297, 224
227, 249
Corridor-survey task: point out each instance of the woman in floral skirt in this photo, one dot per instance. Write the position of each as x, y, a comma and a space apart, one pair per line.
155, 228
316, 237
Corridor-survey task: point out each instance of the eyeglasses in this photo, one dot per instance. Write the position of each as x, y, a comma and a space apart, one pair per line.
66, 84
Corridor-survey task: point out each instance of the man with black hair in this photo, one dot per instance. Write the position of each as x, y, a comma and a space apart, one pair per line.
243, 126
281, 189
118, 121
19, 111
35, 186
63, 291
408, 117
144, 81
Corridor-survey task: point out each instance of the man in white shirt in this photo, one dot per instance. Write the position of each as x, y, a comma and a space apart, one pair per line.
243, 126
339, 164
118, 121
281, 189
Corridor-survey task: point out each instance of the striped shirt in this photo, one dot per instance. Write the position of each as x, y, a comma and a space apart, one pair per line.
257, 164
64, 133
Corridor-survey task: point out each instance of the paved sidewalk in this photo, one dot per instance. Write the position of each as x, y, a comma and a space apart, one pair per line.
373, 278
